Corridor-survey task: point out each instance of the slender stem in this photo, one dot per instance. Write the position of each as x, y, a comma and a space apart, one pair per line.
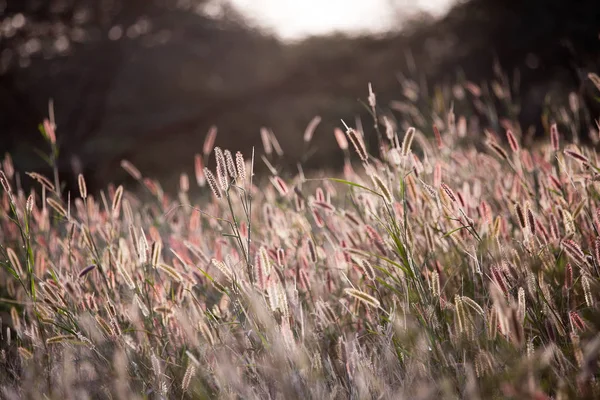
249, 200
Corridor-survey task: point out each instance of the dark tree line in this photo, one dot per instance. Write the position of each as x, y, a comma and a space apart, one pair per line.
146, 79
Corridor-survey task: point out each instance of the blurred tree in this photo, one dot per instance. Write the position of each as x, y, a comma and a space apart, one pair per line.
547, 47
74, 51
144, 80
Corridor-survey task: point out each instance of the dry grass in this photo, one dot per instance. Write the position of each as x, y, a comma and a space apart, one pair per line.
437, 269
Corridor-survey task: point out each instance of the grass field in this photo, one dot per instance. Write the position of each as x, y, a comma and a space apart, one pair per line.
453, 265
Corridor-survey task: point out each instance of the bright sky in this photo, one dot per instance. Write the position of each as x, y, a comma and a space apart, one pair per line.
294, 19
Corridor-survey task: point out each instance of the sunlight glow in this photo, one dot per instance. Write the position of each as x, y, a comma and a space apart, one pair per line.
294, 19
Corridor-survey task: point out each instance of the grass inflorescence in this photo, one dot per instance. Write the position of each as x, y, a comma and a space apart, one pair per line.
444, 265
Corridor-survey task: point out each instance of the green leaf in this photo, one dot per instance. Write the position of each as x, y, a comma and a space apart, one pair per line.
453, 231
339, 180
43, 156
10, 269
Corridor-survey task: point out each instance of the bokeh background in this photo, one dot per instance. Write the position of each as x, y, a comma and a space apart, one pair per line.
145, 80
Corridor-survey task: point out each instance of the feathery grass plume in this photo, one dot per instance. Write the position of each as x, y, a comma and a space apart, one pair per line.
275, 143
142, 248
310, 129
389, 129
240, 166
30, 203
576, 342
282, 301
497, 227
312, 250
530, 220
222, 175
131, 170
230, 164
492, 326
209, 141
60, 339
224, 268
512, 141
56, 206
473, 305
385, 191
199, 170
320, 194
363, 297
497, 149
429, 190
184, 183
260, 277
156, 251
212, 183
452, 121
272, 293
280, 185
576, 321
394, 158
372, 99
520, 216
568, 276
577, 156
351, 217
116, 203
190, 371
106, 327
499, 279
206, 333
165, 310
16, 322
8, 166
407, 142
358, 143
515, 327
574, 251
323, 205
438, 137
319, 221
554, 137
435, 284
49, 131
141, 305
367, 269
156, 368
82, 186
86, 270
555, 182
170, 271
460, 314
14, 260
5, 184
521, 305
266, 141
42, 180
281, 257
24, 353
585, 283
340, 138
554, 229
125, 275
449, 192
595, 79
